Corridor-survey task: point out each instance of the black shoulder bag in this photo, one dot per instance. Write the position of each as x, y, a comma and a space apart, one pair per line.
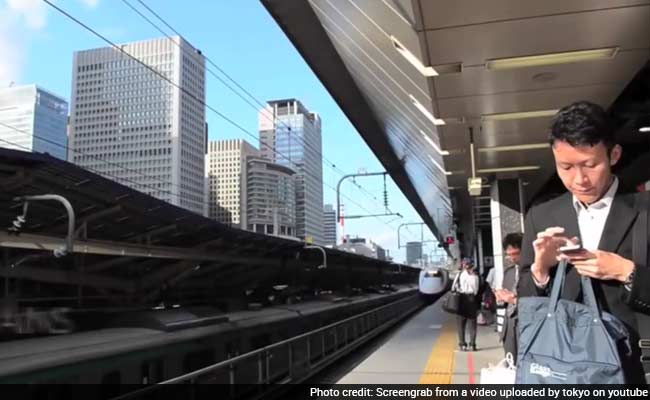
451, 303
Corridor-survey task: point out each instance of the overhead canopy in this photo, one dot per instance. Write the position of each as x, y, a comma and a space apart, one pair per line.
128, 243
378, 59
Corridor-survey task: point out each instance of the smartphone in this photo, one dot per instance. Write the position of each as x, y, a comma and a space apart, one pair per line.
570, 249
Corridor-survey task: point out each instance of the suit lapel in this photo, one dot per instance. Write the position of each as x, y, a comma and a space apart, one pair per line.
620, 218
565, 216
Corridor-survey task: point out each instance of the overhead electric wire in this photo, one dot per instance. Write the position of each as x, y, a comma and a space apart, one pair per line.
259, 103
186, 92
116, 178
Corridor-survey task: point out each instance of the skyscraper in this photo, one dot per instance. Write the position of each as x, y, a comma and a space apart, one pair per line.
290, 135
130, 125
363, 247
270, 198
33, 120
413, 253
329, 220
227, 174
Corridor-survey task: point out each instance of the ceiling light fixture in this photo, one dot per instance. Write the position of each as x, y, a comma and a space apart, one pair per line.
552, 59
473, 183
644, 129
411, 58
518, 115
445, 69
531, 146
453, 120
427, 113
439, 166
434, 145
508, 169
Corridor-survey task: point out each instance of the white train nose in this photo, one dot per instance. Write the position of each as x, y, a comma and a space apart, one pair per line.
433, 281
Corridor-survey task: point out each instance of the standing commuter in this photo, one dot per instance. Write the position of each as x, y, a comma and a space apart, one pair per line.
489, 297
508, 293
467, 284
599, 215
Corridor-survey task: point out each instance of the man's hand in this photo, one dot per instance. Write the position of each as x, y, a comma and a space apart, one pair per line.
600, 264
506, 296
546, 251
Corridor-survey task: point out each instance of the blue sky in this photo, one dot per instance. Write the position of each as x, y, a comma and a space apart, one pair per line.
240, 36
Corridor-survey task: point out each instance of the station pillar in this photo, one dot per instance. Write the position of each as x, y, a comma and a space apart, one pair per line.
507, 215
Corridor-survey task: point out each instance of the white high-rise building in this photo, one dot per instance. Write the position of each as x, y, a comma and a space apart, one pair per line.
132, 126
290, 135
227, 176
329, 220
363, 247
33, 119
270, 199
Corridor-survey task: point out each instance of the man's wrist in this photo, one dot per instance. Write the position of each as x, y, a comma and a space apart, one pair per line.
541, 278
627, 274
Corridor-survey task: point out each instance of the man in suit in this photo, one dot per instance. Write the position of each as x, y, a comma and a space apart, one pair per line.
508, 293
595, 212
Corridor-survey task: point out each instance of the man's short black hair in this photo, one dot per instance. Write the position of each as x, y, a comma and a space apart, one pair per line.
583, 124
513, 240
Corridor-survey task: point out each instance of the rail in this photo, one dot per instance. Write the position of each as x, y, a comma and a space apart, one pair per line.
318, 347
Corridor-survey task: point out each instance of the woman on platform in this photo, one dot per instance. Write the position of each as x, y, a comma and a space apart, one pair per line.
467, 284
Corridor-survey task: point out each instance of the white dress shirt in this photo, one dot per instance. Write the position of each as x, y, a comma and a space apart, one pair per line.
592, 217
467, 283
492, 279
591, 220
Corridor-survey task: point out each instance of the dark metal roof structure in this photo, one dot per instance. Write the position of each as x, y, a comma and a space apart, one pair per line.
372, 56
426, 192
128, 244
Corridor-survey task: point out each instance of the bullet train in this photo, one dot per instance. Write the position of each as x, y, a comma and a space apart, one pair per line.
433, 282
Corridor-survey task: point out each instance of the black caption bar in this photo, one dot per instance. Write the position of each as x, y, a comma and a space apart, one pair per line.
324, 392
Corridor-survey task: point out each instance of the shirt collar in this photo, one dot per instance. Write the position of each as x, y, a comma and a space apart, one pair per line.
604, 202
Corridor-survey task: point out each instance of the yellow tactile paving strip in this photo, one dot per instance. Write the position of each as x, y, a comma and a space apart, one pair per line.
440, 366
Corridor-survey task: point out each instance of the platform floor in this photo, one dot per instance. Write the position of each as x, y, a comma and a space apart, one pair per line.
425, 350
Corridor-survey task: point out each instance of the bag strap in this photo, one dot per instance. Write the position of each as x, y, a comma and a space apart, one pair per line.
558, 284
454, 285
588, 295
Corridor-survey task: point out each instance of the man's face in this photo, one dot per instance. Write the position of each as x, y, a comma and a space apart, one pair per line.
585, 171
513, 254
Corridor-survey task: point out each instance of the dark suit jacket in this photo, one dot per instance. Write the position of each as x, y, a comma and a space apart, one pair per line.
509, 279
616, 237
509, 282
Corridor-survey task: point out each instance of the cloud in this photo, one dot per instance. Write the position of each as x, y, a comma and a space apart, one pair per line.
17, 19
90, 3
34, 12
